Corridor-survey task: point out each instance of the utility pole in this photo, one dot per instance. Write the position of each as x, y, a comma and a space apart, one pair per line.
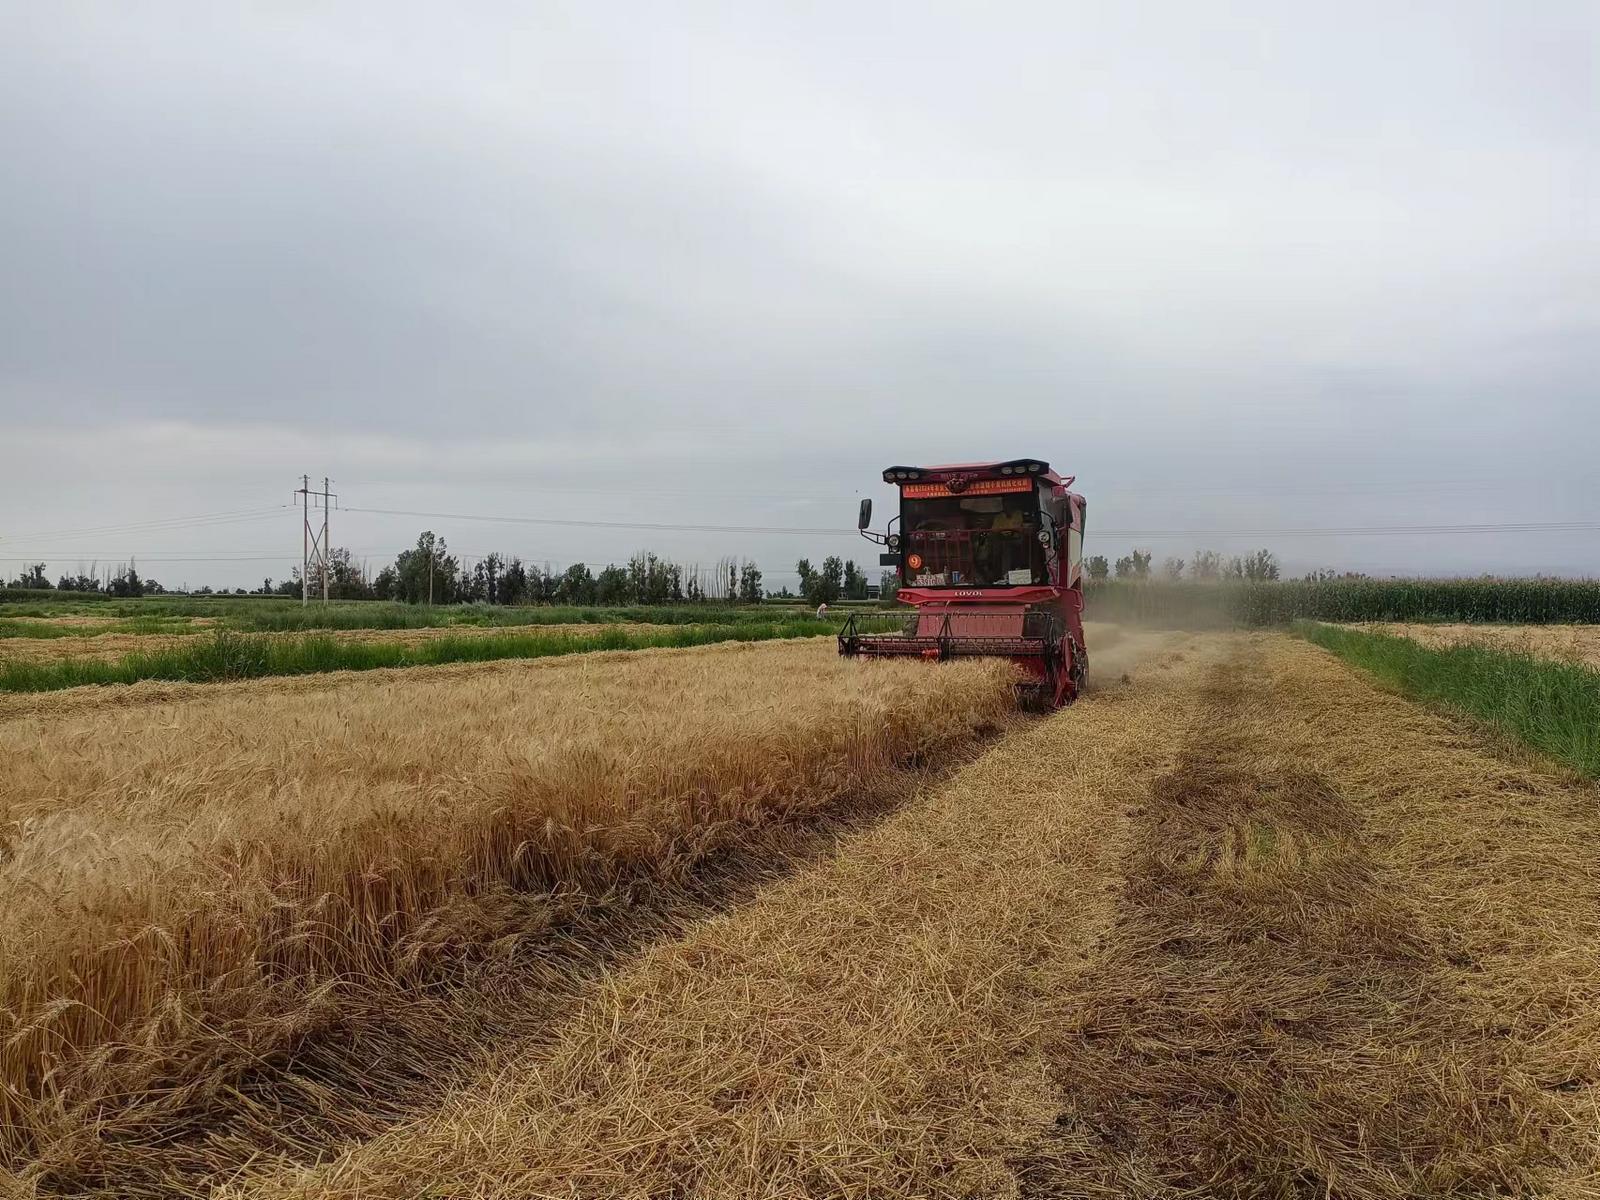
325, 542
313, 543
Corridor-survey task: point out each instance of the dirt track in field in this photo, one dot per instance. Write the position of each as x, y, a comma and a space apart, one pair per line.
1236, 924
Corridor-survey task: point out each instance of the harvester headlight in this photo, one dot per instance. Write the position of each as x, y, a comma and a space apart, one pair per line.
899, 474
1044, 537
1007, 469
913, 474
894, 541
1035, 467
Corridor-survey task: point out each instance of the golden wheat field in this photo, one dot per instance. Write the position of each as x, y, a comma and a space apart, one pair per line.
1563, 643
753, 921
107, 647
188, 882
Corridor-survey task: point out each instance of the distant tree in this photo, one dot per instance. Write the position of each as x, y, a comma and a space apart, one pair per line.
822, 586
542, 584
430, 562
1099, 568
1134, 566
1206, 567
1328, 575
577, 585
126, 582
1261, 566
832, 574
889, 586
514, 583
34, 577
749, 584
612, 586
854, 582
347, 578
492, 565
1173, 568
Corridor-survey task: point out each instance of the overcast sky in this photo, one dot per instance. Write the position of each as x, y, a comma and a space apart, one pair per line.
1236, 266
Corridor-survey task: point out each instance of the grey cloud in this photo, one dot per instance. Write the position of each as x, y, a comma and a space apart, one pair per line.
1219, 260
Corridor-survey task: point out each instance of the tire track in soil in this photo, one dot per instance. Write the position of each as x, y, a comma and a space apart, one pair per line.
1267, 1016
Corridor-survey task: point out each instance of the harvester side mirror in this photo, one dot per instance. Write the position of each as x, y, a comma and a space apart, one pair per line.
866, 514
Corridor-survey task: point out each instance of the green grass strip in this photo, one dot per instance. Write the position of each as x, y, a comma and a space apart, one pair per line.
1552, 706
225, 655
136, 625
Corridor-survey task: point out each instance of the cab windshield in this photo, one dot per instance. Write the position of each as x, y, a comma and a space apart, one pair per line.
972, 541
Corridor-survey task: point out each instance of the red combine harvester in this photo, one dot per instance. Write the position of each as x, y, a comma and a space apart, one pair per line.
991, 555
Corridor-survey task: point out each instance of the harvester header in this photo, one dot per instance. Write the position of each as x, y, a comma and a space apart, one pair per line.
991, 557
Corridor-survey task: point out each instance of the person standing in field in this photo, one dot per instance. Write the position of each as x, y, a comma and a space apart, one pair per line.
822, 610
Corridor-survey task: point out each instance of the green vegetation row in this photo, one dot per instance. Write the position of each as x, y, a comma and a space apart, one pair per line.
384, 615
140, 625
225, 655
1217, 605
1552, 706
165, 614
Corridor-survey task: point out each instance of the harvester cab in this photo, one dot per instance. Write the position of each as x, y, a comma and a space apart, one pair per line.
990, 555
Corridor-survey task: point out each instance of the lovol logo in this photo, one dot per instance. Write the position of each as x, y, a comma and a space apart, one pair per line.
968, 592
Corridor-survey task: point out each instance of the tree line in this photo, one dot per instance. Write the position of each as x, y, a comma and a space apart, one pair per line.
124, 580
1207, 566
430, 572
841, 579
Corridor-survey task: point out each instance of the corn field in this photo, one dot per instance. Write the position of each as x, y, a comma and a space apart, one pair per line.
1219, 605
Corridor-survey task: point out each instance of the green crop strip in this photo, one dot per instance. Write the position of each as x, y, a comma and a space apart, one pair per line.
226, 655
40, 630
1552, 706
1227, 604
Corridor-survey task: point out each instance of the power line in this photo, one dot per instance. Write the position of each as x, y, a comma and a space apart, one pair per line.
157, 525
1361, 530
654, 526
828, 531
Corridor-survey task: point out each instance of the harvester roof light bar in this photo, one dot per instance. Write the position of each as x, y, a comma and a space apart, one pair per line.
978, 487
